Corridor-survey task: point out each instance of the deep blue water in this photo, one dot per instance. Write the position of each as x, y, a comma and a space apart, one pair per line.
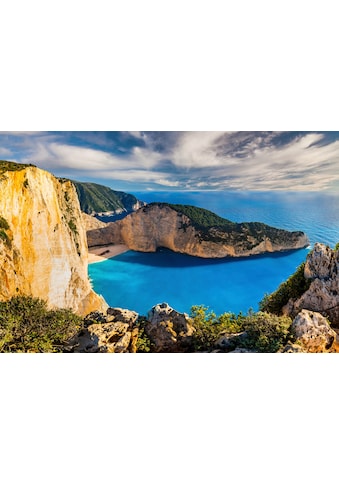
140, 280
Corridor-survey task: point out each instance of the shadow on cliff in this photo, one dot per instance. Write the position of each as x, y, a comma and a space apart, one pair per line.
168, 259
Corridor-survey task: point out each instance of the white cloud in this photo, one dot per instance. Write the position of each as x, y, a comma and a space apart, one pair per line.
201, 160
5, 152
167, 183
196, 149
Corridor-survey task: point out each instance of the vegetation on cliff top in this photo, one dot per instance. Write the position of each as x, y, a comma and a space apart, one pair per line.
6, 166
293, 287
259, 332
26, 325
98, 198
215, 228
200, 218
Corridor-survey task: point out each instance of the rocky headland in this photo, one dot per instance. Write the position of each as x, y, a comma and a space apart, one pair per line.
194, 231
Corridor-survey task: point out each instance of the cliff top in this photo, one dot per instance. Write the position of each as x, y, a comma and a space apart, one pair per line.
204, 220
6, 166
200, 218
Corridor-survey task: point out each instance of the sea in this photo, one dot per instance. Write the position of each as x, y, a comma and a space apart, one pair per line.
138, 281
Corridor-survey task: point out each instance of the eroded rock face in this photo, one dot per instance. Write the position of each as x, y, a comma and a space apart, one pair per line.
113, 332
159, 225
322, 267
293, 349
90, 222
45, 253
169, 330
313, 332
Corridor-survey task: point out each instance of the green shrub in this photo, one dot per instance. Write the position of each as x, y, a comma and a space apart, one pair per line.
266, 333
260, 331
26, 325
6, 166
144, 343
209, 327
5, 237
3, 224
336, 247
72, 226
293, 287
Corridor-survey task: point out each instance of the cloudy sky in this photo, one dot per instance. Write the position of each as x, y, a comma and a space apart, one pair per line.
162, 160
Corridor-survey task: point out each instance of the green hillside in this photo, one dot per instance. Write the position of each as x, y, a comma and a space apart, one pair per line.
98, 198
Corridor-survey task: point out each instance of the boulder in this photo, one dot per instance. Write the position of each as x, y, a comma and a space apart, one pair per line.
106, 337
169, 330
313, 332
123, 315
111, 333
230, 341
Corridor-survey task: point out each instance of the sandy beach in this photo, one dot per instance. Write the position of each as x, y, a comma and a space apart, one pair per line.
101, 253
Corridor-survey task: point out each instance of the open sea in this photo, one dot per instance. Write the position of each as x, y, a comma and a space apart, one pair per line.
138, 281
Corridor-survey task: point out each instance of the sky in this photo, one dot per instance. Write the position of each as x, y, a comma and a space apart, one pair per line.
197, 160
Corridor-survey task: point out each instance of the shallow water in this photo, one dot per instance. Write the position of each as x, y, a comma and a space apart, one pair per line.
140, 280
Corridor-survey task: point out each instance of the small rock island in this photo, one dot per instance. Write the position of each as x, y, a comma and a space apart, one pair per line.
194, 231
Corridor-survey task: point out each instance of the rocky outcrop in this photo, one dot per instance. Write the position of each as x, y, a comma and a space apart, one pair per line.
114, 332
322, 268
169, 330
159, 225
43, 250
313, 332
90, 222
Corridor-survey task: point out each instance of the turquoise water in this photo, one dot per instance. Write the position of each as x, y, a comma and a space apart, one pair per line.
140, 280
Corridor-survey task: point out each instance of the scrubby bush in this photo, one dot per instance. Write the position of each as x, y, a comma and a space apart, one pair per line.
6, 166
266, 332
260, 331
336, 247
144, 343
293, 287
26, 325
209, 327
5, 238
3, 224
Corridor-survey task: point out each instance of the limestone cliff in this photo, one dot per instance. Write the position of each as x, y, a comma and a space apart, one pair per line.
162, 225
322, 269
43, 250
89, 222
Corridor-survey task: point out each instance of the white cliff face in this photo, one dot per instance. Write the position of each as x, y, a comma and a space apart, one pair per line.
46, 253
157, 226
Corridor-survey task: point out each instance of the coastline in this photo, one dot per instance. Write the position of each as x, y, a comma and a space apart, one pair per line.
101, 253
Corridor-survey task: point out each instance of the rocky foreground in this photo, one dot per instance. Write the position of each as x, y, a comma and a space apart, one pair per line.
194, 231
308, 322
167, 330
